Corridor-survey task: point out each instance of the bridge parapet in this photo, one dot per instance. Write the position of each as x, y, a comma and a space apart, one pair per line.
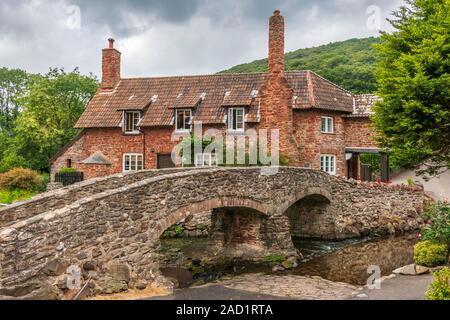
62, 197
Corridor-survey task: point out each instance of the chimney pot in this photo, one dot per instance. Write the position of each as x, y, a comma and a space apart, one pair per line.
276, 13
111, 43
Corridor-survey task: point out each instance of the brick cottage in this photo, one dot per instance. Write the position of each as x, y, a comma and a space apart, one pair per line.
128, 124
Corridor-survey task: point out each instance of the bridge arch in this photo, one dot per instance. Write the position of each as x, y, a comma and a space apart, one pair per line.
304, 193
311, 214
208, 205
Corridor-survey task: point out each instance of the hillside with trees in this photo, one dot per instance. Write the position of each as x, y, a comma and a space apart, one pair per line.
350, 63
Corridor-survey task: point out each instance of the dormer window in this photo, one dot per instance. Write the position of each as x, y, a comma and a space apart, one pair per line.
183, 119
131, 122
236, 119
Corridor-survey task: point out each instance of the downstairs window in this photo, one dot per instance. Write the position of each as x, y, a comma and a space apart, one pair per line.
133, 162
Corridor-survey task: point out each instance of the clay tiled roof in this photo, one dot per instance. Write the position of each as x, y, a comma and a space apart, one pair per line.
210, 95
317, 92
364, 103
363, 106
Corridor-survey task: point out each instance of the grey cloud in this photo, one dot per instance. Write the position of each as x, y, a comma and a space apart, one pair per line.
169, 37
116, 13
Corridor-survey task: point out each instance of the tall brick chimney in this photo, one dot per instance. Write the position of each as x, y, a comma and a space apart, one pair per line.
276, 45
110, 66
276, 94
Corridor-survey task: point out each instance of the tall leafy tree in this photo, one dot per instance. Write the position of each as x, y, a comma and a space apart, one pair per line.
13, 85
413, 76
51, 107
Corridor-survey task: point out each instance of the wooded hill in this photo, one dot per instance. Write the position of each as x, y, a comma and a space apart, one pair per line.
349, 63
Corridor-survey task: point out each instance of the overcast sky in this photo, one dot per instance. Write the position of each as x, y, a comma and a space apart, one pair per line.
172, 37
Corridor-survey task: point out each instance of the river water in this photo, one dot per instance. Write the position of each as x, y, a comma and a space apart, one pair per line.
343, 261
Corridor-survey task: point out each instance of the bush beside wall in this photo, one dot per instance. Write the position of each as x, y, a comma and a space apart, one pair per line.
430, 254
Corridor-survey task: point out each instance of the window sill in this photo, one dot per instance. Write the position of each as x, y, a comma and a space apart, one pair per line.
236, 132
330, 173
329, 133
182, 131
132, 133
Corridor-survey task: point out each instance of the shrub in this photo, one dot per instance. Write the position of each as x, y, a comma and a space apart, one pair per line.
410, 181
20, 178
67, 170
437, 228
440, 287
45, 179
430, 254
178, 230
174, 231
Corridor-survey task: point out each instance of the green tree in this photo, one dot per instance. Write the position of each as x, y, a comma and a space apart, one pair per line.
51, 107
413, 75
13, 85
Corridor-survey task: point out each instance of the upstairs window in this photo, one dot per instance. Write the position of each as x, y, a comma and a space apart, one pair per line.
183, 119
327, 125
236, 119
132, 119
328, 164
133, 162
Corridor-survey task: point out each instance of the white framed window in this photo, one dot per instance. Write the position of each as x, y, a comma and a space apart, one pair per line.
131, 121
327, 125
133, 162
205, 160
236, 119
328, 164
183, 119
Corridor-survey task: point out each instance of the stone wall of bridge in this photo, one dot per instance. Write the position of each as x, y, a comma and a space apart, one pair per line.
113, 235
61, 197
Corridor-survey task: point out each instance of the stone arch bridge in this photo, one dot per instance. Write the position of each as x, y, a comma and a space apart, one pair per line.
110, 227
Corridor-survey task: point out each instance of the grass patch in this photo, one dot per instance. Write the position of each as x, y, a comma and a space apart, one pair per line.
11, 196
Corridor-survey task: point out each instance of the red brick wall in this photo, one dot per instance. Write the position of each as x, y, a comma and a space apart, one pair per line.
75, 152
359, 132
306, 128
313, 142
157, 141
112, 143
